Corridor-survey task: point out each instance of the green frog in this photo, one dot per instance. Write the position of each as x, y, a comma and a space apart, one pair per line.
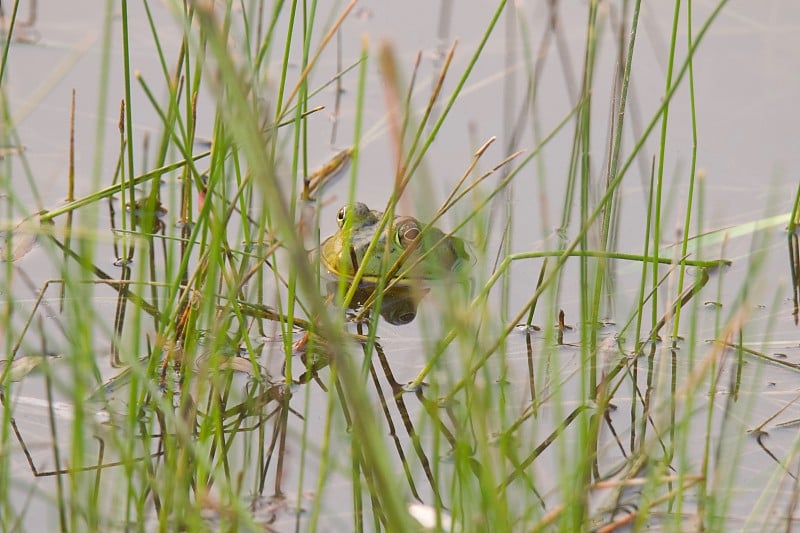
448, 256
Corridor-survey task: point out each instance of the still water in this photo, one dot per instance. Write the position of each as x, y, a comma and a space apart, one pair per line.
524, 84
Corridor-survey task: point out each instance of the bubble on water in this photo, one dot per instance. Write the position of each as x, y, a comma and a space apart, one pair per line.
411, 387
426, 515
122, 262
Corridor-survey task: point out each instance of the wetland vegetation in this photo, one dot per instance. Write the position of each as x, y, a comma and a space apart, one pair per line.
546, 319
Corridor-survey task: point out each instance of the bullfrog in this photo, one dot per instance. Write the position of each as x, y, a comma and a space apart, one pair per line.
447, 257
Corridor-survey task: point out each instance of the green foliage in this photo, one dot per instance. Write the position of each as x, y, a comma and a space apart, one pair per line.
244, 389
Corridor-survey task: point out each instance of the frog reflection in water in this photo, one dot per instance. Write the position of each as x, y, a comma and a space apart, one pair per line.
432, 256
399, 304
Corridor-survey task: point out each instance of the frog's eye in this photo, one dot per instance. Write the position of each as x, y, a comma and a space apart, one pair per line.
340, 216
407, 231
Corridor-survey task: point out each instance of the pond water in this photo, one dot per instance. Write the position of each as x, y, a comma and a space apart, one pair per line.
526, 81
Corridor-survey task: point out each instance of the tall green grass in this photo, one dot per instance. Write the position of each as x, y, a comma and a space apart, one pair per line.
242, 396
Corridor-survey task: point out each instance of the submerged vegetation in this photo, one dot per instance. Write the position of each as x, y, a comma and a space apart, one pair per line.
458, 374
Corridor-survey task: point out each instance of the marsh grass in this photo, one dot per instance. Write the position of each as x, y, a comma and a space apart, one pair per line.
236, 395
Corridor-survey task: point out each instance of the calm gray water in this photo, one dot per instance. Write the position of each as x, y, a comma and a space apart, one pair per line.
747, 78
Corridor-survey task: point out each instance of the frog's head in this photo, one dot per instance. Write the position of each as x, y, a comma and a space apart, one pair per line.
345, 251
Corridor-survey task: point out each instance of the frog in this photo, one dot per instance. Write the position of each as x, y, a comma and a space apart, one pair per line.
358, 225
